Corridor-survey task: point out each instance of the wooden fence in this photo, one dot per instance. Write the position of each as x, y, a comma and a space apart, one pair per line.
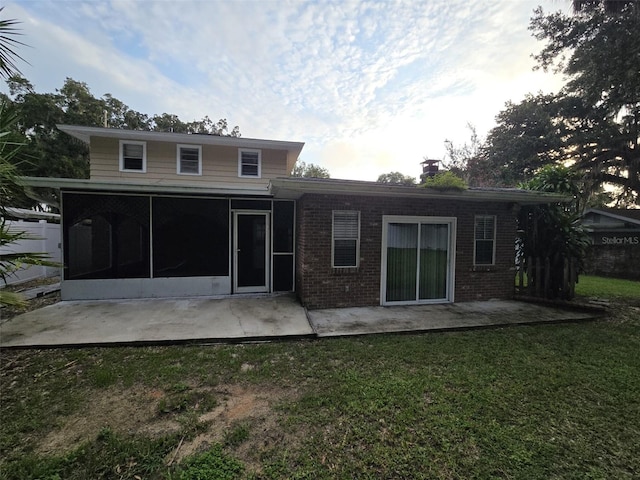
542, 278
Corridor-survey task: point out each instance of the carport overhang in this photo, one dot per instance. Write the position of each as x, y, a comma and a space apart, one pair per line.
294, 188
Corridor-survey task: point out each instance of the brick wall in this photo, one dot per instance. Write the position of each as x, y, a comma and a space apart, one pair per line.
321, 286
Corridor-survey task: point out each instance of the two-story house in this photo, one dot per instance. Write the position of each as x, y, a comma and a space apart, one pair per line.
167, 214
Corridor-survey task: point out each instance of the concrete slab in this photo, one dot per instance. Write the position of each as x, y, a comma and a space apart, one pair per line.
418, 318
157, 321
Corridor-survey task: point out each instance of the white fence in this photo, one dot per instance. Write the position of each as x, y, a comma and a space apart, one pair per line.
45, 238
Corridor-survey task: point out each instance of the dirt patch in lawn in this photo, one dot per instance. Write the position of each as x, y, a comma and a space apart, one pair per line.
138, 411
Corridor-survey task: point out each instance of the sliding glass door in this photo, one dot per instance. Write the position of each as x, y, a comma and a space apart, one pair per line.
417, 263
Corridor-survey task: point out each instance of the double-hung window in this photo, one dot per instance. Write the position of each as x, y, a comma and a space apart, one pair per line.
189, 160
133, 156
485, 243
346, 239
249, 163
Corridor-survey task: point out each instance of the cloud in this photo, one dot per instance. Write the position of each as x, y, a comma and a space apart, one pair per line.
371, 86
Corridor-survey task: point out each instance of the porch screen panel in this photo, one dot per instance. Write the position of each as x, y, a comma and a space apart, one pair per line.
283, 243
190, 237
105, 236
402, 256
434, 241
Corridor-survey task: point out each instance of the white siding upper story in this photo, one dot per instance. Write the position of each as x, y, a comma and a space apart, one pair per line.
157, 158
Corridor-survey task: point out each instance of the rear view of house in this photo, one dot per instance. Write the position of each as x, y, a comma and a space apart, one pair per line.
167, 214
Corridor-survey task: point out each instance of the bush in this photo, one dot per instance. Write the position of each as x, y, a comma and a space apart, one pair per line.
445, 181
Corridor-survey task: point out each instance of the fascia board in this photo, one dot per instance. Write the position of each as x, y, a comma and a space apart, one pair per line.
82, 184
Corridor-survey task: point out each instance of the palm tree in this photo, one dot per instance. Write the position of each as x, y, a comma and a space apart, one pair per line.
8, 42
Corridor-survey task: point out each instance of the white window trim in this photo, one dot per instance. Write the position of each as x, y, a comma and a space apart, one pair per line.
249, 150
144, 156
452, 222
475, 241
333, 240
185, 145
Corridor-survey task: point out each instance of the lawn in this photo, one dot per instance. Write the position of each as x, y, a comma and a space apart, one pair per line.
602, 287
545, 401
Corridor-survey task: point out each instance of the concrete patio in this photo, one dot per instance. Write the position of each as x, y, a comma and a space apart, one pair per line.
251, 318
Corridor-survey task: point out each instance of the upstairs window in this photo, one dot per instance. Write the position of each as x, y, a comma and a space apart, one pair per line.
133, 156
250, 163
485, 245
189, 160
346, 239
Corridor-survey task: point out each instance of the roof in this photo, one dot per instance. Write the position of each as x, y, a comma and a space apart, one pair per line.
293, 149
131, 187
611, 217
295, 187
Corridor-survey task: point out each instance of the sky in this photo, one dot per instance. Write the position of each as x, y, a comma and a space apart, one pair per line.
370, 86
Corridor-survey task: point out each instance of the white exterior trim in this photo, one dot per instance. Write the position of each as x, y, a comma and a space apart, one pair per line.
451, 257
475, 241
178, 158
249, 150
121, 156
267, 257
333, 240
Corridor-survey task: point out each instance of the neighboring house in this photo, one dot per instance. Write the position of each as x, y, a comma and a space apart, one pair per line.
168, 214
615, 242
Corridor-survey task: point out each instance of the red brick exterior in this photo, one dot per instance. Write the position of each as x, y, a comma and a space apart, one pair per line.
320, 286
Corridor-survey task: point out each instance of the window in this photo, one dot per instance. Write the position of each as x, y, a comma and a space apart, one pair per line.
250, 163
346, 239
133, 156
484, 252
189, 160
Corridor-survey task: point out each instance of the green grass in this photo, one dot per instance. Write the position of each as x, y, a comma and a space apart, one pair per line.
592, 286
526, 402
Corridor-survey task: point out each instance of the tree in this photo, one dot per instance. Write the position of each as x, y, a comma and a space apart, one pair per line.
8, 42
51, 153
598, 50
463, 160
10, 185
527, 136
551, 232
396, 178
302, 169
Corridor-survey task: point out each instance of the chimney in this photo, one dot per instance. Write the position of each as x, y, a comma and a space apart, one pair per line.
429, 169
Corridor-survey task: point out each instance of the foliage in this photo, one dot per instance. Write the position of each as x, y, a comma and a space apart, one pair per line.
396, 178
11, 187
527, 136
466, 161
309, 170
598, 50
212, 464
445, 181
8, 42
551, 231
54, 154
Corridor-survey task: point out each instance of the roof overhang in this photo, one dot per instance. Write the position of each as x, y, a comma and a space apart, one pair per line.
84, 134
130, 187
614, 216
294, 188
